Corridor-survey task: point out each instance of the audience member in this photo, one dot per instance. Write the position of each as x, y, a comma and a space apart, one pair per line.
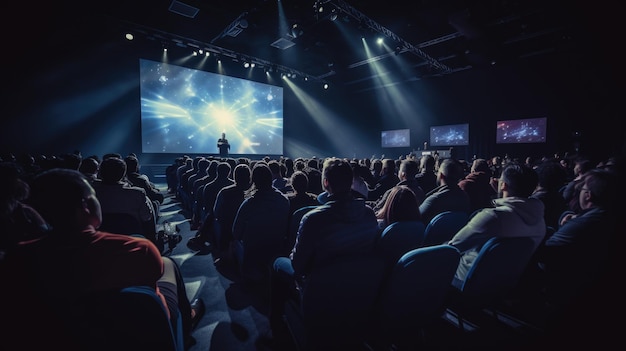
278, 180
359, 174
477, 185
447, 196
89, 167
514, 215
116, 196
551, 179
496, 166
211, 189
376, 168
219, 232
135, 178
407, 171
577, 255
170, 175
74, 260
315, 176
342, 226
571, 191
260, 226
300, 197
387, 180
427, 176
18, 220
194, 184
207, 172
401, 205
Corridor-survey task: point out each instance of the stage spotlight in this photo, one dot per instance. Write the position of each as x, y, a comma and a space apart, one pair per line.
246, 64
325, 85
333, 15
129, 36
296, 31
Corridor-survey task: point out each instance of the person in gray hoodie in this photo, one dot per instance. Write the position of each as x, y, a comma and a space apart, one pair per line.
515, 215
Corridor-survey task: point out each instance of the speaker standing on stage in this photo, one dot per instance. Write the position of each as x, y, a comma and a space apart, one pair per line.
223, 145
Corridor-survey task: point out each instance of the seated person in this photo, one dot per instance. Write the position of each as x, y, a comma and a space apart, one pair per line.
141, 180
74, 260
300, 197
515, 215
477, 185
260, 226
116, 196
344, 225
18, 220
401, 205
579, 252
447, 196
406, 174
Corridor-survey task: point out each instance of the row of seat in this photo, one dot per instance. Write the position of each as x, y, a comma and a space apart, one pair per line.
358, 301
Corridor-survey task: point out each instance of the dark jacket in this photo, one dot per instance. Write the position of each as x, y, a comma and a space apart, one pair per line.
444, 198
341, 226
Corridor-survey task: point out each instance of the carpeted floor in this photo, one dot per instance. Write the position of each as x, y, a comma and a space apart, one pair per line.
236, 318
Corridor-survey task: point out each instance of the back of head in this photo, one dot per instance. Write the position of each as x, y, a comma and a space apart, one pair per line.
274, 167
299, 181
338, 173
203, 165
410, 167
89, 166
57, 193
377, 165
551, 175
312, 163
427, 163
389, 165
112, 170
481, 165
401, 205
262, 176
452, 170
242, 174
71, 161
521, 179
132, 164
223, 169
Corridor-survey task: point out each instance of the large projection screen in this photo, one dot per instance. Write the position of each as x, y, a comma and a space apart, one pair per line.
184, 110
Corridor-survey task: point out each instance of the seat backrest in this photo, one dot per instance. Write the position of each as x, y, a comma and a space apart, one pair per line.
399, 238
497, 269
121, 223
339, 298
133, 318
264, 238
414, 294
443, 226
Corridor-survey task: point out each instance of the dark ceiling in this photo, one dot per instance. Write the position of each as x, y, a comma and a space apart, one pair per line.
423, 38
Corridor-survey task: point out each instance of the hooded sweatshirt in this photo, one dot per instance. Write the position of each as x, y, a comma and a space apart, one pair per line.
511, 217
